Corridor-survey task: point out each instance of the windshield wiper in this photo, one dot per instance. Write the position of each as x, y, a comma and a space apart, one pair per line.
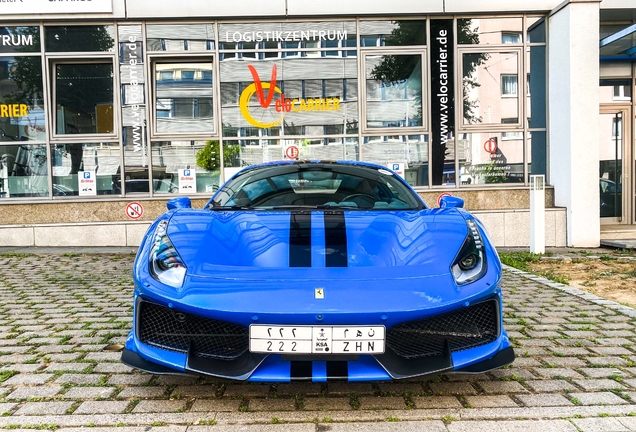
299, 206
230, 207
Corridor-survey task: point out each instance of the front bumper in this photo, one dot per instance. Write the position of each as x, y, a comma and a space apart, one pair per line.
469, 339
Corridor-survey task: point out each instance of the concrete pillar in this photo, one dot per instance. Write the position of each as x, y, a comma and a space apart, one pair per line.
573, 80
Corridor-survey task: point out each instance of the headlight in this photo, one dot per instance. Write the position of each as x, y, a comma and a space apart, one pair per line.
166, 265
470, 263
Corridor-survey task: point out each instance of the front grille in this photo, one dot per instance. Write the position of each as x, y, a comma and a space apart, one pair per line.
466, 328
176, 331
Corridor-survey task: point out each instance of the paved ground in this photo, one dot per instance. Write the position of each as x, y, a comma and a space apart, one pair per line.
576, 367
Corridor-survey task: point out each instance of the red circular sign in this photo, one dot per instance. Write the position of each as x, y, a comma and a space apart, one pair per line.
490, 146
134, 210
439, 198
292, 152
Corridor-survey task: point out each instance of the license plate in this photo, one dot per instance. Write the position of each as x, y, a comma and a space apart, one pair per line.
317, 339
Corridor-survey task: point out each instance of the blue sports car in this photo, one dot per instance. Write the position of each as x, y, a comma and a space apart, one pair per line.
317, 270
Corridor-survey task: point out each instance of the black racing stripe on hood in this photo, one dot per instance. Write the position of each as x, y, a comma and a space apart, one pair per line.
337, 370
300, 239
300, 370
336, 239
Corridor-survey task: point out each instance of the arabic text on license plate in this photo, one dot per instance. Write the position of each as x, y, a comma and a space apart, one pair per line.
317, 339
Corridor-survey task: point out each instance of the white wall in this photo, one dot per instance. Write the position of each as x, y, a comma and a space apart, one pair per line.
118, 11
573, 120
174, 9
363, 7
461, 6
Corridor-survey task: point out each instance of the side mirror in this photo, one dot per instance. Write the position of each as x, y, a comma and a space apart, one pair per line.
451, 202
179, 203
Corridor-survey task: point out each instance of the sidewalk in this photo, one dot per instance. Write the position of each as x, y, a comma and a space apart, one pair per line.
60, 309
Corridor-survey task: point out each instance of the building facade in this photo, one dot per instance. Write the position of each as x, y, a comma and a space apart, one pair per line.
110, 107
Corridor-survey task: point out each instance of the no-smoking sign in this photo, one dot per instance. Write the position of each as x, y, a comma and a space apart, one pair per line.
134, 210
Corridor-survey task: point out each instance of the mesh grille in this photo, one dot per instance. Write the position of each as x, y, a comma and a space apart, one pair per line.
175, 331
467, 328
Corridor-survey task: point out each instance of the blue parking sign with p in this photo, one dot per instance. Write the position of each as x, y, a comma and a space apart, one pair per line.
87, 174
396, 167
186, 173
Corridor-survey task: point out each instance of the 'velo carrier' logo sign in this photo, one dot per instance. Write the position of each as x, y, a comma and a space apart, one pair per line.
262, 114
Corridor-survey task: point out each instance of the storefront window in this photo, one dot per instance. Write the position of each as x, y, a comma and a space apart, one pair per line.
241, 153
394, 91
489, 31
185, 167
405, 154
488, 158
87, 169
80, 38
133, 110
317, 96
21, 102
183, 97
84, 98
392, 33
19, 39
23, 171
180, 37
491, 87
288, 39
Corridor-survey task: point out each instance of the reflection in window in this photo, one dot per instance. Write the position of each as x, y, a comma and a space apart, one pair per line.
21, 100
487, 159
79, 38
183, 97
509, 85
69, 161
490, 86
259, 150
511, 135
20, 39
135, 159
393, 33
302, 105
411, 151
23, 171
510, 38
84, 98
489, 31
180, 37
394, 91
200, 158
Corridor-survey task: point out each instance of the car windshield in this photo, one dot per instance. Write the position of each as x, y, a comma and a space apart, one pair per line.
314, 185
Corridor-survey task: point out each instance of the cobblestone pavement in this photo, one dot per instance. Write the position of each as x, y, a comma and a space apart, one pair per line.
575, 367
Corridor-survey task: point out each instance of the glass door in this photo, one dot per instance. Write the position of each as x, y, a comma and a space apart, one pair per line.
615, 167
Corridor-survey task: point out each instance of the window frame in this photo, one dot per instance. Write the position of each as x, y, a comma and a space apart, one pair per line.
487, 49
51, 63
363, 97
172, 57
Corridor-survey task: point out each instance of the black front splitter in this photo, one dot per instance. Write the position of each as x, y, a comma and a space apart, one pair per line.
134, 360
502, 358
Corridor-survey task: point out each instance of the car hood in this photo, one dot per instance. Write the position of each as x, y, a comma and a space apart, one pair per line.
273, 244
397, 266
